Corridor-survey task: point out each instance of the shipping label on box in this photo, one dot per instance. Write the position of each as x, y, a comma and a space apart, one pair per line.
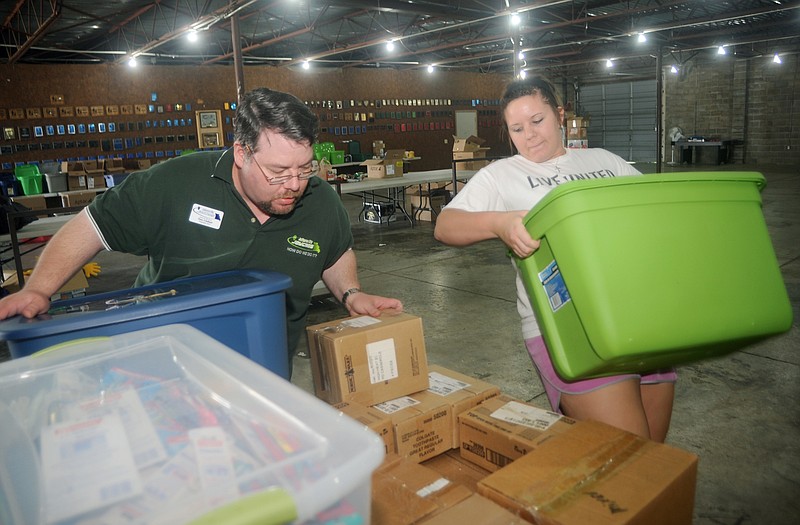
373, 419
368, 360
404, 492
423, 425
595, 473
461, 392
502, 429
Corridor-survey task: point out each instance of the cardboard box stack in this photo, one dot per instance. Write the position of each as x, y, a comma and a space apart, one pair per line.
459, 450
469, 148
83, 174
576, 131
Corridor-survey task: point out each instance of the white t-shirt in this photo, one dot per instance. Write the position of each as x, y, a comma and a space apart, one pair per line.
516, 183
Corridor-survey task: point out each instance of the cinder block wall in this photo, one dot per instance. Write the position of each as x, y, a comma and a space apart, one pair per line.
753, 101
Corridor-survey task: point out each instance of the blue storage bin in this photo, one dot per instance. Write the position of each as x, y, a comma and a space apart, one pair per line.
244, 310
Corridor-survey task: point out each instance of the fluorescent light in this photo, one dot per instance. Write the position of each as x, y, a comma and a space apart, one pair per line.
132, 62
521, 55
777, 59
390, 45
523, 74
674, 69
515, 20
721, 50
306, 65
609, 63
191, 36
642, 37
430, 68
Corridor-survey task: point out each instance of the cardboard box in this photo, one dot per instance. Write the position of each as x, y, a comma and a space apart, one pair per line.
75, 287
404, 492
34, 202
503, 429
475, 509
72, 168
368, 360
598, 474
113, 166
421, 205
389, 166
374, 420
378, 148
577, 133
455, 468
422, 423
92, 167
471, 143
85, 182
460, 391
77, 198
577, 144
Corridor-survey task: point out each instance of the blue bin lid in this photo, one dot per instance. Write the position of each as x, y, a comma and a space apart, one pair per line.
147, 301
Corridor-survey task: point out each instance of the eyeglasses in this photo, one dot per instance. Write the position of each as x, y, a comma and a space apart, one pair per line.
279, 178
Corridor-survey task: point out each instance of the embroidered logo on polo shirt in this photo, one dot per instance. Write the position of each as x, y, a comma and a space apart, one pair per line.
205, 216
303, 246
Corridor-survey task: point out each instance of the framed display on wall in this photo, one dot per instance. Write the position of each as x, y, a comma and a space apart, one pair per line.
209, 128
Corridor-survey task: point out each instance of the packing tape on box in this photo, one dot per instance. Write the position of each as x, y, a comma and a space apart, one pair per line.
321, 362
580, 477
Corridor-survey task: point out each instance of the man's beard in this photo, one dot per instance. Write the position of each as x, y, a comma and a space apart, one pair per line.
268, 208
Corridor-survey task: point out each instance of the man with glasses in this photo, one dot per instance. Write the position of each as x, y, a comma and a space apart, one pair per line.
256, 205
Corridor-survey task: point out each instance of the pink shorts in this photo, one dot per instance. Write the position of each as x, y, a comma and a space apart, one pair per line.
554, 386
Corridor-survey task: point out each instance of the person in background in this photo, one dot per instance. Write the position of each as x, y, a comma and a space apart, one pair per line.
492, 206
257, 205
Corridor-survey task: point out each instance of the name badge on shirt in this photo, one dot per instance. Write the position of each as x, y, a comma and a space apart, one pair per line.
205, 216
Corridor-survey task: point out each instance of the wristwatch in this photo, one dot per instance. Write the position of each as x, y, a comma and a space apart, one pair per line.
348, 293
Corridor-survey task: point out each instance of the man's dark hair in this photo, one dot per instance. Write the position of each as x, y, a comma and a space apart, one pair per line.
264, 108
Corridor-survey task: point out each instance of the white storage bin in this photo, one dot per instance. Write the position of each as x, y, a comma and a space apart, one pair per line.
166, 425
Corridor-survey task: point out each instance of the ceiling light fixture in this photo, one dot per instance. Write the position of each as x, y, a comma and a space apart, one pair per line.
721, 50
430, 68
642, 37
306, 65
132, 62
777, 59
521, 55
515, 19
523, 74
609, 63
674, 69
191, 36
390, 45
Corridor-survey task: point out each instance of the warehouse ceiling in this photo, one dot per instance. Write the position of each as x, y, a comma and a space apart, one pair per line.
560, 38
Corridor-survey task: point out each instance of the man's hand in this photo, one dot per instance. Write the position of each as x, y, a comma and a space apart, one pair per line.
373, 305
26, 303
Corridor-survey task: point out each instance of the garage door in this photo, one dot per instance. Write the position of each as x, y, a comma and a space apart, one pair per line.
623, 118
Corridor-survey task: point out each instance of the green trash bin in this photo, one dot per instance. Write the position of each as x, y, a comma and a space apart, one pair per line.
30, 178
639, 273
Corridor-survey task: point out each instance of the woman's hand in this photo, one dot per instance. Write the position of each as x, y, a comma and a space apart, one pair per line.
514, 234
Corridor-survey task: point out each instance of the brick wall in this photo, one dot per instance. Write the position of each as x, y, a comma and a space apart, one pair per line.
753, 101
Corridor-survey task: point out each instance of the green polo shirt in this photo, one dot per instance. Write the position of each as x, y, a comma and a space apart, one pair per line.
186, 215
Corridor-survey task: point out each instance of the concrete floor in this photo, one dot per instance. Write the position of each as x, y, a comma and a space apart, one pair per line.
740, 414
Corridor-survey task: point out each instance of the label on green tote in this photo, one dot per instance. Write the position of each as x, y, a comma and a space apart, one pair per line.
554, 286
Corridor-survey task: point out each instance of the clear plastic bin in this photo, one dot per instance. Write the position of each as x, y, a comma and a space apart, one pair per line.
166, 425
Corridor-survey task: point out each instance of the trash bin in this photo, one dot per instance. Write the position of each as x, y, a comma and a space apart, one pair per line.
243, 309
167, 425
639, 273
